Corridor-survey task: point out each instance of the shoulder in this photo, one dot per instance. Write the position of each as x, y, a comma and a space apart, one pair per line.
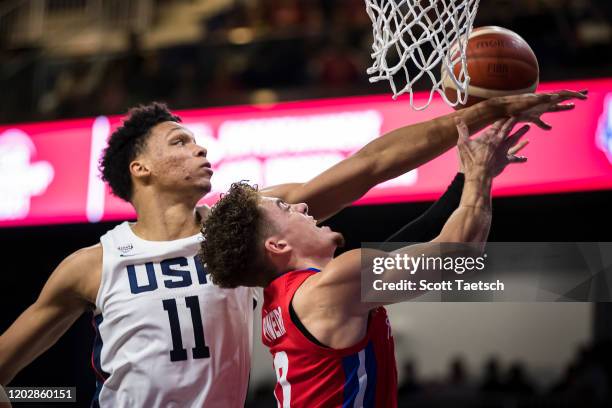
282, 284
343, 269
80, 273
285, 287
338, 286
83, 258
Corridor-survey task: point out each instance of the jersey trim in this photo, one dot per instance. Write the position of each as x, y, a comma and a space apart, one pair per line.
294, 271
371, 369
101, 376
298, 323
360, 378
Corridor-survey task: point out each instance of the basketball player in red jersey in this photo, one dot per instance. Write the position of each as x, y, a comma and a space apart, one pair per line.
330, 349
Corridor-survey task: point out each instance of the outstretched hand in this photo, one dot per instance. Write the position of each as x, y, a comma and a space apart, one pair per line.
492, 151
531, 107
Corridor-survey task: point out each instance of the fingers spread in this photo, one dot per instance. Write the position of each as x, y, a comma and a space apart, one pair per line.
514, 138
518, 147
516, 159
505, 130
561, 107
541, 124
567, 94
578, 95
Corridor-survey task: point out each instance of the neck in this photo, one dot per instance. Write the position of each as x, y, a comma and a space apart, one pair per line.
296, 264
318, 262
295, 261
165, 219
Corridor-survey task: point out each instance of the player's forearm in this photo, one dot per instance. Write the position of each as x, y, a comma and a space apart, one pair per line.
407, 148
463, 235
34, 332
7, 370
471, 221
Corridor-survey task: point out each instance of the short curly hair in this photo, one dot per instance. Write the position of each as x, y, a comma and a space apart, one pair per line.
232, 249
127, 142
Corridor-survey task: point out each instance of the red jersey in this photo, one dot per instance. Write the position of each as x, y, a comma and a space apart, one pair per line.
312, 375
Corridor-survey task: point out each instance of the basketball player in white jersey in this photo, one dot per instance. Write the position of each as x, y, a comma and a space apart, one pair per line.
167, 337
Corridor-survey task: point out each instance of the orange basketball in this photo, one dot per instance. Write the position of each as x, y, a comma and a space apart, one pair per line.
500, 63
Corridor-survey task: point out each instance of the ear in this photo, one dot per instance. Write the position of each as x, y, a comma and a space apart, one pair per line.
277, 246
139, 169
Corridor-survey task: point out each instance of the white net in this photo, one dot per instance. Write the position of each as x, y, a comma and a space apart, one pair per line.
421, 40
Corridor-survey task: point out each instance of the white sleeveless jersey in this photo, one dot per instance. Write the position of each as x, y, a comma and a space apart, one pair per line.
166, 336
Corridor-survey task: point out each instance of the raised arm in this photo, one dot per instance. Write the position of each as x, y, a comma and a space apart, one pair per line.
406, 148
428, 225
62, 300
338, 286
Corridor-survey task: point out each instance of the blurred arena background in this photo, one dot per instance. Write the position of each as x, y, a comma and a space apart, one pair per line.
63, 59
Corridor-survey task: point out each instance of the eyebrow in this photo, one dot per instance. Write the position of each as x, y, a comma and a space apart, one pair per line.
179, 128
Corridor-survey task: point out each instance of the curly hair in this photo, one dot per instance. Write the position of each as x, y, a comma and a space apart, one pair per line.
233, 239
127, 142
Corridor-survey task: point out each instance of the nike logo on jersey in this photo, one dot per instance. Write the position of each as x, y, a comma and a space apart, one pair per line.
124, 249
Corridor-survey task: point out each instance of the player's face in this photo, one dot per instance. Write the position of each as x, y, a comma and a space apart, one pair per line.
298, 229
176, 162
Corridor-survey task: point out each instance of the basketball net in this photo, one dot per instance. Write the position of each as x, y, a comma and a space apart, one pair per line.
415, 40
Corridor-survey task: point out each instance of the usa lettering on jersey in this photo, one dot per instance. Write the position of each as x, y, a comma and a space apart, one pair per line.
175, 273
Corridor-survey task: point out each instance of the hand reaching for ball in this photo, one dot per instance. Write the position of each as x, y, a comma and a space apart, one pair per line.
494, 150
531, 107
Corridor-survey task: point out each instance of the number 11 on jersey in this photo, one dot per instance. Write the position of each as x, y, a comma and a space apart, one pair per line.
178, 353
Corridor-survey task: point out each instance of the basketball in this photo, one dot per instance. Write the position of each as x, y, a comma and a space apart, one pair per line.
499, 63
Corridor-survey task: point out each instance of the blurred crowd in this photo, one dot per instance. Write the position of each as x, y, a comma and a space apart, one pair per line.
586, 383
246, 48
266, 50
